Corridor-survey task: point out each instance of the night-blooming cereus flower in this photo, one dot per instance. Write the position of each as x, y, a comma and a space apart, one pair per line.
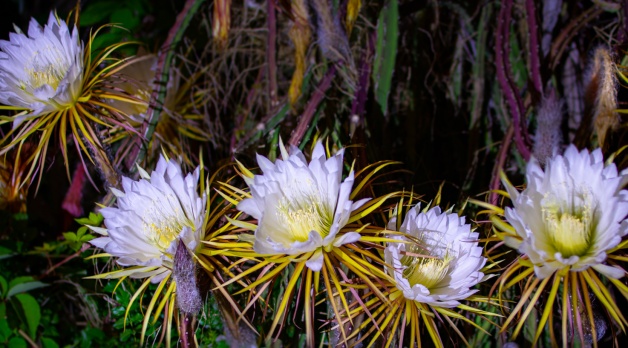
41, 71
301, 207
152, 215
440, 260
570, 214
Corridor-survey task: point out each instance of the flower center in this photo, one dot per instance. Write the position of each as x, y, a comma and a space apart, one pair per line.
46, 69
571, 233
161, 226
162, 234
570, 225
427, 271
303, 217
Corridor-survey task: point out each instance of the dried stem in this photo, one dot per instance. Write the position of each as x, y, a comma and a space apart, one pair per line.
569, 31
162, 73
311, 107
84, 247
499, 165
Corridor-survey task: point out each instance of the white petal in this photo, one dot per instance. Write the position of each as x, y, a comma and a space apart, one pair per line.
609, 271
346, 238
315, 263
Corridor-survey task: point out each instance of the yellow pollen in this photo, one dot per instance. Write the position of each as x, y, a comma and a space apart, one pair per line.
48, 77
46, 73
426, 271
303, 217
162, 234
570, 233
161, 228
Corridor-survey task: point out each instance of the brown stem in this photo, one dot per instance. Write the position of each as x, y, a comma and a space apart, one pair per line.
569, 31
164, 61
311, 107
64, 261
245, 111
499, 165
104, 164
27, 338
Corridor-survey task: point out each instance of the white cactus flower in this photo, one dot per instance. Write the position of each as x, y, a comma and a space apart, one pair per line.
151, 216
301, 207
440, 260
41, 71
570, 214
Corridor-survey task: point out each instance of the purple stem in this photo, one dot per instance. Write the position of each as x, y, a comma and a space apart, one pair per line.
503, 76
359, 102
271, 56
311, 107
535, 64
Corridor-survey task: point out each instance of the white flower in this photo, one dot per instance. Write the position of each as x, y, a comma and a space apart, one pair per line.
570, 214
43, 71
152, 215
454, 259
301, 207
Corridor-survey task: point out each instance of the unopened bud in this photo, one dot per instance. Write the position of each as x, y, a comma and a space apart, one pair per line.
188, 296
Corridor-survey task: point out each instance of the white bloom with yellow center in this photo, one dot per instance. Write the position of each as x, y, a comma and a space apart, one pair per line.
445, 264
41, 71
570, 214
151, 216
301, 207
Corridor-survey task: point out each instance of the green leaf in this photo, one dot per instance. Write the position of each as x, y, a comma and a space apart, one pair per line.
84, 221
24, 287
20, 217
94, 219
385, 52
126, 18
5, 253
32, 313
80, 232
5, 330
86, 238
3, 285
97, 12
19, 280
48, 343
17, 342
70, 236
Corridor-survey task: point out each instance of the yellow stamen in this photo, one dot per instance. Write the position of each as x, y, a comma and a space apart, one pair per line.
303, 218
427, 271
570, 226
46, 74
571, 233
162, 228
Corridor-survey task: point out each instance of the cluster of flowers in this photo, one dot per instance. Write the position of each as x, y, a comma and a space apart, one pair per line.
568, 221
306, 223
